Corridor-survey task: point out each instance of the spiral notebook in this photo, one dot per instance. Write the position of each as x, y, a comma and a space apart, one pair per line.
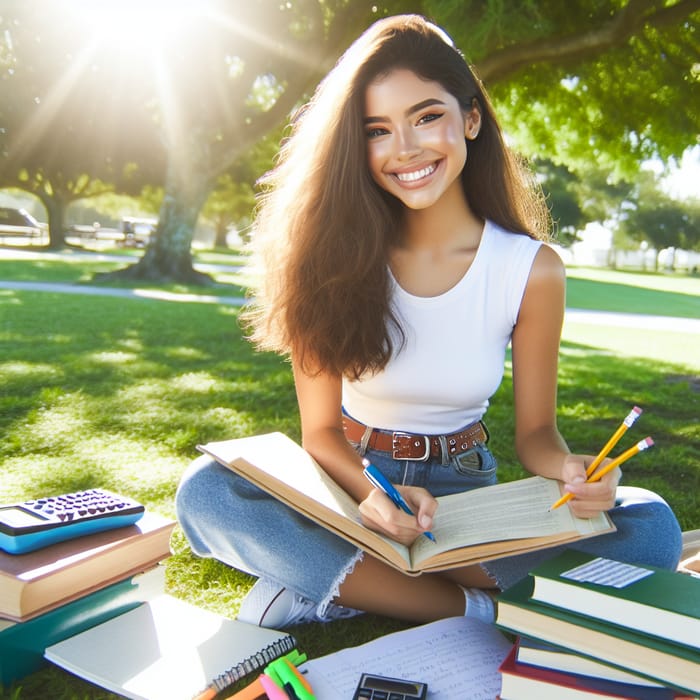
168, 649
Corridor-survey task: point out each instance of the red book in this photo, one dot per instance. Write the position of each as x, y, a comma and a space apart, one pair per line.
522, 681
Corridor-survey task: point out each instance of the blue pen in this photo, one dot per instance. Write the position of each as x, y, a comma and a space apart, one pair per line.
379, 481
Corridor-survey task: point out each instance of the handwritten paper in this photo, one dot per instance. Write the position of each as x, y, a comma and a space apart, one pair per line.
457, 657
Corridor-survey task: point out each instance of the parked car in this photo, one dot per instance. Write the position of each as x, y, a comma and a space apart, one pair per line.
19, 222
137, 232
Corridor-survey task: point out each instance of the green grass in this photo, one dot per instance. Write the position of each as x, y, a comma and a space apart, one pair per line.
634, 292
48, 267
108, 392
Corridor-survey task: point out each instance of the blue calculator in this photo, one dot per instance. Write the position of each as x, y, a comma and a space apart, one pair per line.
38, 523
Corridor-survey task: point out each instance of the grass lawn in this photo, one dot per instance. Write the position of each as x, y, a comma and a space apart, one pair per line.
100, 391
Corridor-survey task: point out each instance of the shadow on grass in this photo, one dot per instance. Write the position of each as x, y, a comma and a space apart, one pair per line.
102, 391
87, 377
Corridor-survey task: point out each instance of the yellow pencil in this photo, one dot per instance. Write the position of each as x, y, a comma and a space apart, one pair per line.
627, 423
641, 445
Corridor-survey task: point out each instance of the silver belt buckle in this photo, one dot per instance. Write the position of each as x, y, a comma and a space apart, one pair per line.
416, 439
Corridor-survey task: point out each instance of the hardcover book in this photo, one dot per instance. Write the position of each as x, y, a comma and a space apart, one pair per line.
34, 583
486, 523
22, 644
666, 662
520, 681
651, 600
535, 653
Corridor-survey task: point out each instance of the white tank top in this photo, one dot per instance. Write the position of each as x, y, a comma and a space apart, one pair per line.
453, 358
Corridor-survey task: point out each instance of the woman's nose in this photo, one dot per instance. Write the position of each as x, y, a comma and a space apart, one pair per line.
407, 144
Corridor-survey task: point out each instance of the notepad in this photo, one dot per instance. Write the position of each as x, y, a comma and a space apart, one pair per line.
167, 649
458, 657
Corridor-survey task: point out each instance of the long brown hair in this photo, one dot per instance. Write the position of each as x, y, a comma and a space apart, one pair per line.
324, 228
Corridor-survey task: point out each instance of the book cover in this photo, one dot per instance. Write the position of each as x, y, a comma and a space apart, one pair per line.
22, 644
522, 681
658, 659
655, 601
469, 527
536, 653
167, 648
32, 584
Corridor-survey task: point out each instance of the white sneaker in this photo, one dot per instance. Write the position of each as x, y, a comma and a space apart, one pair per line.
270, 605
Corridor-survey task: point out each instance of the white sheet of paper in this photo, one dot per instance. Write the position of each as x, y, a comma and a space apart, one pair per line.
457, 657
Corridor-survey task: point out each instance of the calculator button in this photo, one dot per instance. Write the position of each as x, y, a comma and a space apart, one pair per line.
364, 693
397, 696
380, 695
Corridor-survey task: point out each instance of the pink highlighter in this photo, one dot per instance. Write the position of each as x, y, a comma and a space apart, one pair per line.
272, 690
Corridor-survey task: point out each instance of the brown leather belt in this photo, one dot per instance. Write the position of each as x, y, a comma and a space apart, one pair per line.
416, 447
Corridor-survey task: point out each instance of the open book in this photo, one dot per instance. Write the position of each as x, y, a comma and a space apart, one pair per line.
486, 523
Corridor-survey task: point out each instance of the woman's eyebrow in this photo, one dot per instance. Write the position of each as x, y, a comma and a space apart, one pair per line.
411, 110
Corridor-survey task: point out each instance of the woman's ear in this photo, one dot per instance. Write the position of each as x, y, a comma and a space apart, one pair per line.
472, 121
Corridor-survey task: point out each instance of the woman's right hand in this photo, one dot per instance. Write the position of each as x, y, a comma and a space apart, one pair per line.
379, 513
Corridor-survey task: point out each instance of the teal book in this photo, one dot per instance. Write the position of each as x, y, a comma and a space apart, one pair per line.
22, 644
654, 601
671, 664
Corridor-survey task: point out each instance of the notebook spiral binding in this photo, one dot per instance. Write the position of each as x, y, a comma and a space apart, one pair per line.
255, 662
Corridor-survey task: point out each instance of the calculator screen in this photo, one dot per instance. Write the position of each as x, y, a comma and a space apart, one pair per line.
390, 685
19, 517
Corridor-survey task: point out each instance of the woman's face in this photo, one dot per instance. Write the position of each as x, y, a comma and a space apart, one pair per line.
416, 133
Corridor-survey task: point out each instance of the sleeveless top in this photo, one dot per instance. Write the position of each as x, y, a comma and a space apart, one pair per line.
453, 357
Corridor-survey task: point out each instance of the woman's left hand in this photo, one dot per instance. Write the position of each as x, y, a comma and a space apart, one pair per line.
590, 498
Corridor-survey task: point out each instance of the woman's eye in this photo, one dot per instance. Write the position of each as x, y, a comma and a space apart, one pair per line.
431, 116
376, 131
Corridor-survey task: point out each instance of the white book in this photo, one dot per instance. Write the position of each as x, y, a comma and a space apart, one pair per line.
167, 649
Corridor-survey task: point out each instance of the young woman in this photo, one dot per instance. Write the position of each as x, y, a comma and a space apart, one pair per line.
401, 250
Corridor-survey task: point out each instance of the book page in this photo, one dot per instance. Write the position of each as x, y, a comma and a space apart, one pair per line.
280, 466
457, 657
513, 510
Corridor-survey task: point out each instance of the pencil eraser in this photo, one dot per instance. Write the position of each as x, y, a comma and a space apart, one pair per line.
632, 416
648, 442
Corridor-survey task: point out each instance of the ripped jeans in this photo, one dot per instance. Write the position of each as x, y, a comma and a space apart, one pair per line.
228, 518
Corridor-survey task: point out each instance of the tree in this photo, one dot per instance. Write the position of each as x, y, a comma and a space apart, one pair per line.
562, 190
610, 81
232, 200
660, 220
63, 135
605, 81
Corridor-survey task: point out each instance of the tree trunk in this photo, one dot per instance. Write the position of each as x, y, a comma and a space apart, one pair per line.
168, 255
56, 211
221, 231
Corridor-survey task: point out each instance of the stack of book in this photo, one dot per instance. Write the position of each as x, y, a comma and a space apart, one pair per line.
59, 590
595, 628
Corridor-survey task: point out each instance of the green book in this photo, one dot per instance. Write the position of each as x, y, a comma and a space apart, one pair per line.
654, 601
22, 644
667, 662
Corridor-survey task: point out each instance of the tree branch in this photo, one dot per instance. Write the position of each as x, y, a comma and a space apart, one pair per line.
626, 23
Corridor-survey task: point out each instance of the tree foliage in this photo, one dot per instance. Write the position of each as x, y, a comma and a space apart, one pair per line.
68, 130
656, 218
608, 82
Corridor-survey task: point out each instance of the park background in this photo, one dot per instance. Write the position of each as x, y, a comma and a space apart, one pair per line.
169, 112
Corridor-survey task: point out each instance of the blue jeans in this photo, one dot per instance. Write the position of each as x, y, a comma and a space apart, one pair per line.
228, 518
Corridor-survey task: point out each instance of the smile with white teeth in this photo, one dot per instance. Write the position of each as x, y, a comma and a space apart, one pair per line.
416, 174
